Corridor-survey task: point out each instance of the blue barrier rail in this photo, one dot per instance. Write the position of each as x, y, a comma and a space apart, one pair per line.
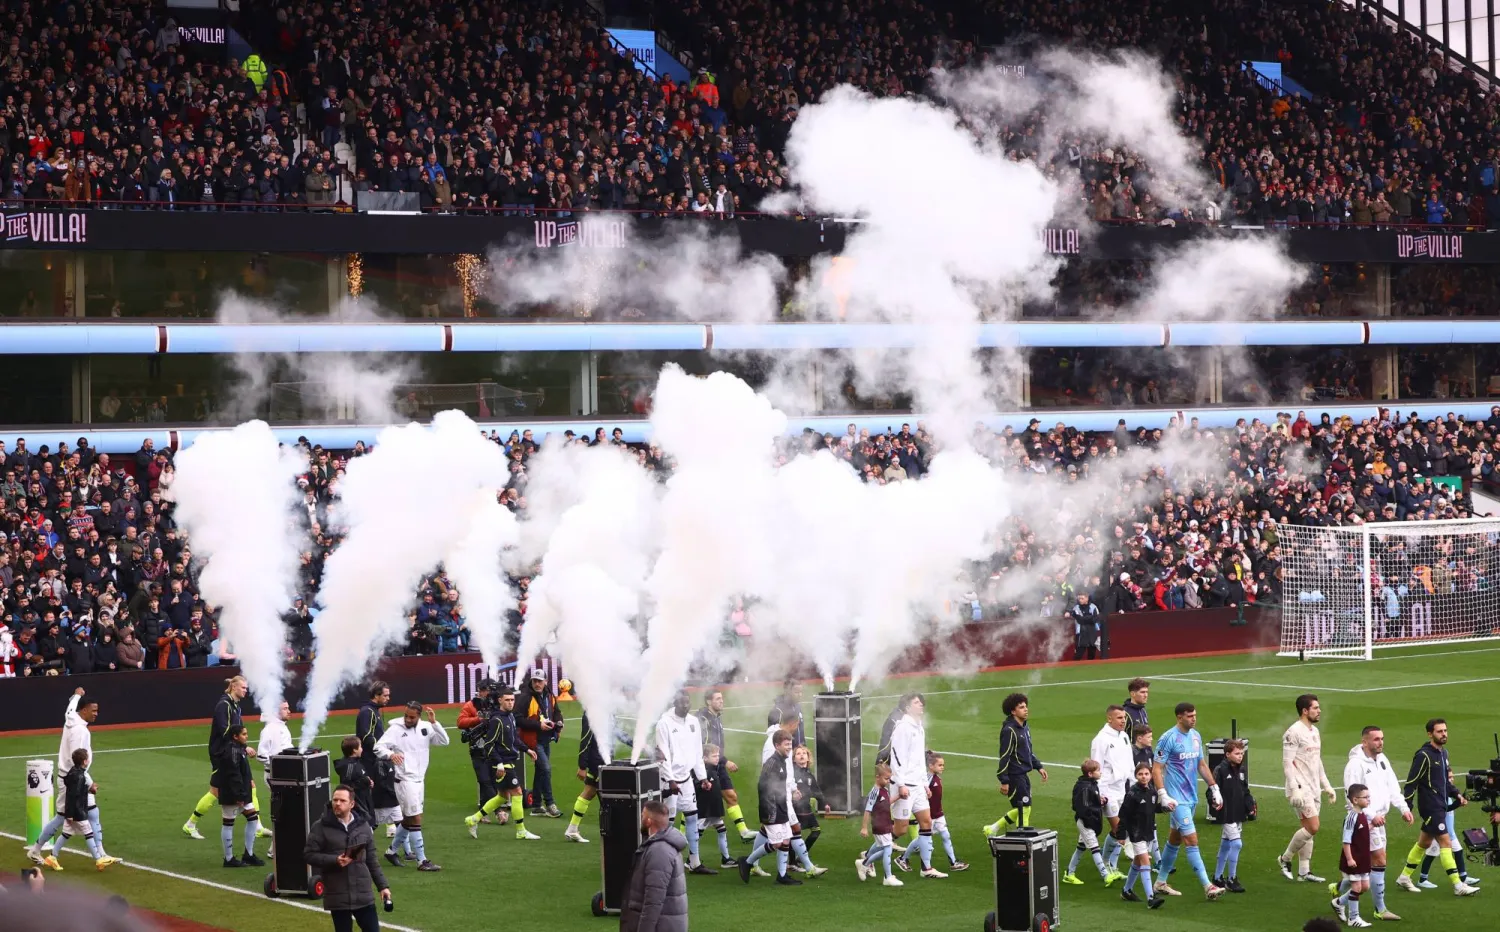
497, 337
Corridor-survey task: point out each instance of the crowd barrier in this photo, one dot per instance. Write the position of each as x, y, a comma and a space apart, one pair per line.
156, 696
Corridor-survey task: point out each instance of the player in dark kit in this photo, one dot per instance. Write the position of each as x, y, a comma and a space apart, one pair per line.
1135, 706
590, 759
226, 718
790, 700
369, 728
501, 743
1427, 791
1017, 761
711, 717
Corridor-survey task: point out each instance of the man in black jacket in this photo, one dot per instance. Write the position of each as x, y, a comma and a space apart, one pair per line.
341, 847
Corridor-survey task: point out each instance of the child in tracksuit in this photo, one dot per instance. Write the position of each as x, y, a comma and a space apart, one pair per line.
1136, 833
805, 815
1238, 808
81, 813
1144, 752
711, 805
1088, 812
878, 817
935, 767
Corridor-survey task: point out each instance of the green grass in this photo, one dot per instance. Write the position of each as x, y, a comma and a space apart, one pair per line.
148, 788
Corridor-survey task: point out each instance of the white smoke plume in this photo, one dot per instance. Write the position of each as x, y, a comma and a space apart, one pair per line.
583, 605
474, 562
1220, 279
715, 544
317, 387
917, 258
399, 521
235, 496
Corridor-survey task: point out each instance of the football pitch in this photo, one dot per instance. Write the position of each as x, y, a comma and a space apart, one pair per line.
150, 777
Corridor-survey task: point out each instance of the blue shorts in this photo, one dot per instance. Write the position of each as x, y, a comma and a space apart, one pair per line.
1182, 819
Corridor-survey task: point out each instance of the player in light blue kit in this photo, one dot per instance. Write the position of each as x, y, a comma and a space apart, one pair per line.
1179, 760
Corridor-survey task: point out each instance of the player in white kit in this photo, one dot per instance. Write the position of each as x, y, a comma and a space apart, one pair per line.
407, 745
1302, 764
1369, 767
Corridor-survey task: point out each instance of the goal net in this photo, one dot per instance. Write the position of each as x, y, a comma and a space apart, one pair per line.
313, 401
1350, 591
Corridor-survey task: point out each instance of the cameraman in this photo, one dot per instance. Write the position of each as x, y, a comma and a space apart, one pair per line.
471, 719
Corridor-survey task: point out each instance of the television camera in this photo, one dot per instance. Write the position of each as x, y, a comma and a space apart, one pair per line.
1483, 787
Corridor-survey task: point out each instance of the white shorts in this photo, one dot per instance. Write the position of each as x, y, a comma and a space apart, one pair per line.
1112, 805
74, 827
1356, 878
685, 800
411, 794
778, 834
231, 813
1377, 838
1087, 837
1232, 831
915, 801
388, 816
1306, 807
885, 841
940, 824
1134, 849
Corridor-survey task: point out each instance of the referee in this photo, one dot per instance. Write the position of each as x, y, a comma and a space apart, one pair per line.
1427, 791
1017, 761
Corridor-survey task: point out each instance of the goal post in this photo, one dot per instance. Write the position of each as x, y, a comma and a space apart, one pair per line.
1349, 591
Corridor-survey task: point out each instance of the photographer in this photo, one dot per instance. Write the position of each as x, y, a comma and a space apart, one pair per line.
341, 845
471, 719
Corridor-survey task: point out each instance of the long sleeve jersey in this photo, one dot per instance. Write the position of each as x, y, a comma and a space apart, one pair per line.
1428, 788
1111, 749
75, 735
1016, 756
909, 753
1377, 774
1302, 760
275, 737
413, 744
369, 727
681, 742
226, 720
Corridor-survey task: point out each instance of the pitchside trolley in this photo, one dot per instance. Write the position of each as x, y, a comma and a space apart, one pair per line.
300, 790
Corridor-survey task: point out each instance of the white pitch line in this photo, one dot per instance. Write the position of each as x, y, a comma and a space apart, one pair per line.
1097, 681
159, 747
209, 883
1381, 689
1302, 688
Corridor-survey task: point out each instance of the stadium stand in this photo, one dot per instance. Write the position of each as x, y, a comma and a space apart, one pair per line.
94, 572
527, 106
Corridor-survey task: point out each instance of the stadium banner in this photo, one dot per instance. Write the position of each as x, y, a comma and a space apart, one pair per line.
342, 232
153, 697
157, 696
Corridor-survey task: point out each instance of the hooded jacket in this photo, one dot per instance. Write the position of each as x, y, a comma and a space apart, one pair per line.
656, 899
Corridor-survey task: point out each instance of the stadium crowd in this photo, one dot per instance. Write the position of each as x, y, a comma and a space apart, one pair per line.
94, 575
529, 106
